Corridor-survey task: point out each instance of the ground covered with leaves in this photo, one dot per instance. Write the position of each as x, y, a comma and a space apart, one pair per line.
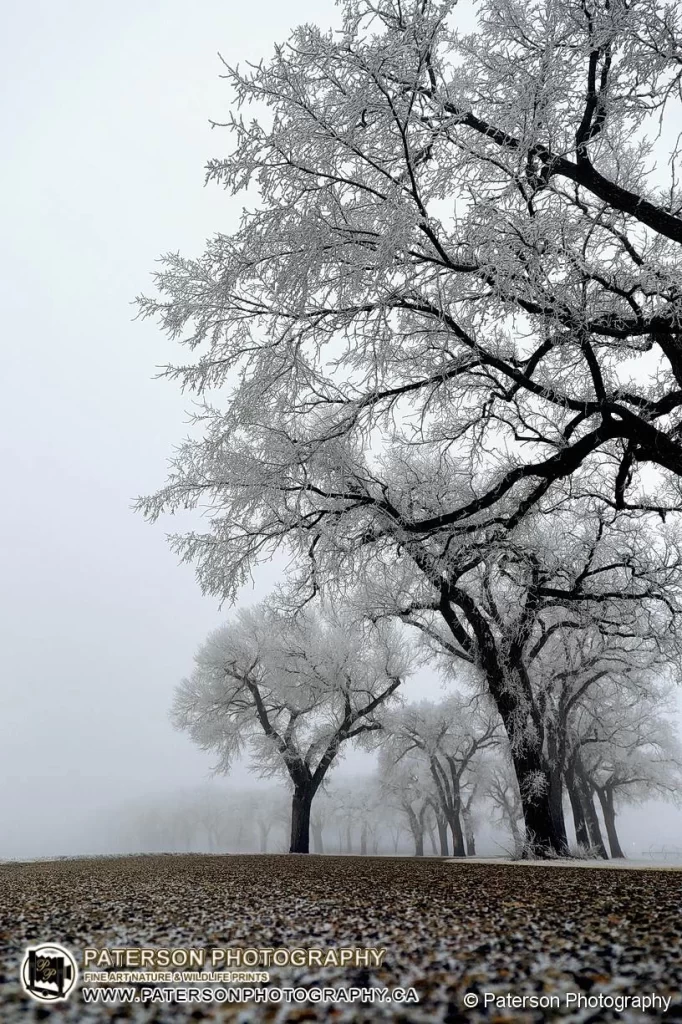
451, 929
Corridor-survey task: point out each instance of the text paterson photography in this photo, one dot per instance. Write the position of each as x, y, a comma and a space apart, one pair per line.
233, 956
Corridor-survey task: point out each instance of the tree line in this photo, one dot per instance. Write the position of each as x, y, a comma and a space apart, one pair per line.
294, 691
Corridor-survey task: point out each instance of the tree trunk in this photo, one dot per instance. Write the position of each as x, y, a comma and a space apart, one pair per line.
469, 834
457, 834
432, 840
349, 839
582, 836
605, 795
542, 807
556, 799
363, 839
300, 819
417, 830
585, 790
538, 780
443, 837
318, 841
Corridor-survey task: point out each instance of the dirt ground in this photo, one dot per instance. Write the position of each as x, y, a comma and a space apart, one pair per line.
450, 929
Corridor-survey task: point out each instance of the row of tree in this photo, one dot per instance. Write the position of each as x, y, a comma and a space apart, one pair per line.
442, 773
440, 365
449, 759
296, 690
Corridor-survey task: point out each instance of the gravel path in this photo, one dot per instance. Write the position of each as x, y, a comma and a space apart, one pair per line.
449, 929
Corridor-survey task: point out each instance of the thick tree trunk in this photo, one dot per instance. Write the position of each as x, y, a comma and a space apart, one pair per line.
457, 835
318, 841
594, 828
538, 780
542, 807
300, 819
469, 834
417, 830
591, 818
582, 836
432, 840
556, 799
606, 800
443, 837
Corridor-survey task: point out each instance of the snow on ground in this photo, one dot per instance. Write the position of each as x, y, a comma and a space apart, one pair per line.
561, 862
450, 928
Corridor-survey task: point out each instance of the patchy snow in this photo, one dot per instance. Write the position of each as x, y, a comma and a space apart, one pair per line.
450, 928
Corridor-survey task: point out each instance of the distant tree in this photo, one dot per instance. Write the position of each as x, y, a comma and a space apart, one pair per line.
368, 802
355, 806
270, 810
320, 817
293, 690
502, 789
468, 820
450, 735
396, 829
408, 787
342, 812
212, 815
630, 752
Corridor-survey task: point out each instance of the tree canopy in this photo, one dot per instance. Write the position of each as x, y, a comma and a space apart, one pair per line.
462, 271
293, 691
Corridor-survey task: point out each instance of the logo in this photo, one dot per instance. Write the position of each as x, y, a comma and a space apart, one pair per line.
48, 972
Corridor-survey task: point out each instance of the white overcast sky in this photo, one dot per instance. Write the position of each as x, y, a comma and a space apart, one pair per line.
105, 112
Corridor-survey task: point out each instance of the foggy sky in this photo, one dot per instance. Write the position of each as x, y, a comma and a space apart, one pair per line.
105, 137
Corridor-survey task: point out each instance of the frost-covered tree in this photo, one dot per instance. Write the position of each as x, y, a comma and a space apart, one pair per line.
450, 737
580, 791
291, 690
542, 616
271, 812
469, 816
501, 788
455, 305
475, 221
589, 655
408, 787
630, 751
321, 816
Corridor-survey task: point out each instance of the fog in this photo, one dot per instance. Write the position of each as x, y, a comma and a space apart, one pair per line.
106, 128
